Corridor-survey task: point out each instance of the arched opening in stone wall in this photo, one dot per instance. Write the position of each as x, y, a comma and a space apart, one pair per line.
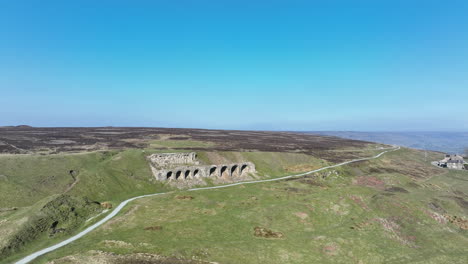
212, 171
169, 175
178, 174
224, 171
196, 173
243, 169
187, 174
234, 170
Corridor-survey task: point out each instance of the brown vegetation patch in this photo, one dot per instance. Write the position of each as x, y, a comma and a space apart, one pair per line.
309, 179
153, 228
361, 225
414, 185
294, 190
460, 193
370, 181
313, 182
436, 216
461, 222
461, 202
301, 168
301, 215
396, 189
106, 205
394, 231
331, 249
179, 138
299, 178
116, 244
358, 200
266, 233
458, 221
73, 139
436, 207
184, 197
99, 257
414, 169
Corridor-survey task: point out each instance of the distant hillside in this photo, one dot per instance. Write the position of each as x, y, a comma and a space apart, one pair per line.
450, 142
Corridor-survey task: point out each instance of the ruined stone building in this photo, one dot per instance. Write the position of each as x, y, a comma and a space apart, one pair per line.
455, 162
184, 166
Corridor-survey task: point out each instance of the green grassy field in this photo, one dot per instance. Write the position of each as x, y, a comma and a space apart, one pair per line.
115, 175
397, 209
29, 181
110, 175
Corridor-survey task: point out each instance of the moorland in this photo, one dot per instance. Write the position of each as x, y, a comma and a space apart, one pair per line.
55, 182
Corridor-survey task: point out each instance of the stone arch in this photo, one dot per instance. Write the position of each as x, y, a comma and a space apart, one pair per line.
187, 174
169, 175
243, 169
224, 172
178, 174
196, 173
234, 171
212, 171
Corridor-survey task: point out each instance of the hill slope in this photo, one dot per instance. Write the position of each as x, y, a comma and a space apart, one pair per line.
396, 209
106, 174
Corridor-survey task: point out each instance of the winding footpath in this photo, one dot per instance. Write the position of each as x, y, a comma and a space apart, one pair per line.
114, 212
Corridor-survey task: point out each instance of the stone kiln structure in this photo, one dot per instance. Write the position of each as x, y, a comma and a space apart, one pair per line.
184, 166
168, 159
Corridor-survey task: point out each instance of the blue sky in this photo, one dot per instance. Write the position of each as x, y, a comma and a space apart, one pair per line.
276, 65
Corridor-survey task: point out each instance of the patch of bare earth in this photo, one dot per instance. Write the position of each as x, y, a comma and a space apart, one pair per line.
436, 216
266, 233
331, 249
301, 168
302, 216
153, 228
116, 244
370, 181
461, 222
414, 169
101, 257
358, 200
394, 231
184, 197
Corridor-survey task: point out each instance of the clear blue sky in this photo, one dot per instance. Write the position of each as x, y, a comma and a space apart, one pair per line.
280, 65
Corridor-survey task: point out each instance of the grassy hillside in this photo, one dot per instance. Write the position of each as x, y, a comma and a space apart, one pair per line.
109, 175
397, 209
52, 219
105, 176
115, 175
87, 179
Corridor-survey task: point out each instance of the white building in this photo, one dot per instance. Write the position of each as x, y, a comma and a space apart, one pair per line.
455, 162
